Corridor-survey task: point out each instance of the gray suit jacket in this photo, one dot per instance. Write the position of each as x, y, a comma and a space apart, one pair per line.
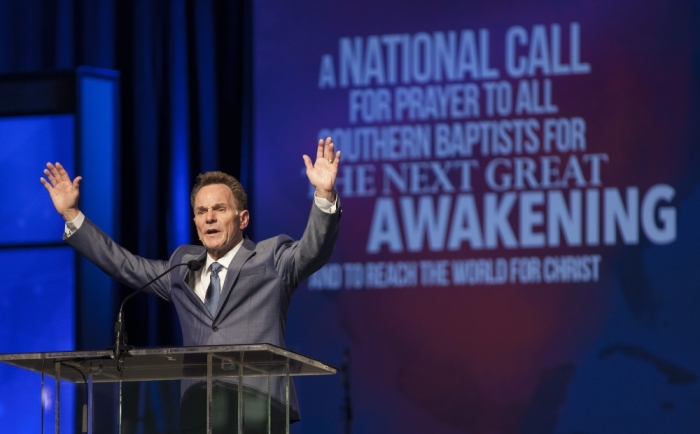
256, 293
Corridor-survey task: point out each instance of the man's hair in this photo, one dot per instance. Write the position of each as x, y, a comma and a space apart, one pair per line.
210, 178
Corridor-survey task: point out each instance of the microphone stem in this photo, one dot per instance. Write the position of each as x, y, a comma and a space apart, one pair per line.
118, 329
119, 325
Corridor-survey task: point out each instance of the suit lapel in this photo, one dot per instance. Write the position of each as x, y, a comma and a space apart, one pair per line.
244, 253
189, 280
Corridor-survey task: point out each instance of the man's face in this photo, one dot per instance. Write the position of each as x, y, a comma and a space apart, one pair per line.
218, 220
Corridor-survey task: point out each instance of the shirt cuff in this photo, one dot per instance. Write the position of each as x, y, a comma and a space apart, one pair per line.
325, 205
75, 224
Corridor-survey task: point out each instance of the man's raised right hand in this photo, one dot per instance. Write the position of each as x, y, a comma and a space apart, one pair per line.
64, 192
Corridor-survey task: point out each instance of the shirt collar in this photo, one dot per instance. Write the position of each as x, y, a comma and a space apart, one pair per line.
224, 260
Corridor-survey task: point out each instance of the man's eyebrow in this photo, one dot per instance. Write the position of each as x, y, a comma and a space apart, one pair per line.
216, 205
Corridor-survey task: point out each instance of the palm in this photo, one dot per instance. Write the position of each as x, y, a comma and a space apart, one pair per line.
64, 192
323, 172
64, 195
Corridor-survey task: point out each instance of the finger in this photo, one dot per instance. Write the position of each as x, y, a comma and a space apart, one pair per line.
59, 173
76, 181
328, 150
319, 150
52, 169
307, 162
337, 159
50, 177
46, 184
62, 172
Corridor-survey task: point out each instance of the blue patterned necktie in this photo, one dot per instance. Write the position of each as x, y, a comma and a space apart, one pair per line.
211, 301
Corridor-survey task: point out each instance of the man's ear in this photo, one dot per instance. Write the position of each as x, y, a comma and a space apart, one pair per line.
245, 218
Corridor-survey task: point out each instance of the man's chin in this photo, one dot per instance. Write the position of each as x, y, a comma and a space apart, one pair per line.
217, 250
213, 243
213, 247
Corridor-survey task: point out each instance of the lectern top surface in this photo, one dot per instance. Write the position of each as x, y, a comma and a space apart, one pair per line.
143, 364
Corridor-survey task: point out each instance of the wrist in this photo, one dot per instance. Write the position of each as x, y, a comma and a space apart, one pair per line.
71, 214
329, 195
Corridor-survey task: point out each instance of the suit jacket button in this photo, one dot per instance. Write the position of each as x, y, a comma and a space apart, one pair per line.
215, 328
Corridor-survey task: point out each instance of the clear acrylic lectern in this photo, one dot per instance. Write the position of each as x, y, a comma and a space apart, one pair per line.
192, 363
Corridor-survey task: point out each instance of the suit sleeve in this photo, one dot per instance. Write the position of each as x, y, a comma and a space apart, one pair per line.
296, 261
117, 262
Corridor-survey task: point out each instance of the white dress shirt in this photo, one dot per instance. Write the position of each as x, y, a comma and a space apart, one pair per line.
203, 277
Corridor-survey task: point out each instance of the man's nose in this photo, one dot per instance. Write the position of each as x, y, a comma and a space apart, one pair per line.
210, 216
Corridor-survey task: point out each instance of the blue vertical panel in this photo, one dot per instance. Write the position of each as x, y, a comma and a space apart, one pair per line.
37, 314
99, 165
28, 143
180, 223
37, 297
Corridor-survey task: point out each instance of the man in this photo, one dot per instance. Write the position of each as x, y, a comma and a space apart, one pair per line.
242, 292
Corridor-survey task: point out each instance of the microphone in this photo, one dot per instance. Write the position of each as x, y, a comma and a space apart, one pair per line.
192, 265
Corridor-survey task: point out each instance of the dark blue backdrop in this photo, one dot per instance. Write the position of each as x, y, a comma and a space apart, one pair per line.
184, 110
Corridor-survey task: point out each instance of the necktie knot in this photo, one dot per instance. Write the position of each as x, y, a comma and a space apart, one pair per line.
216, 267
